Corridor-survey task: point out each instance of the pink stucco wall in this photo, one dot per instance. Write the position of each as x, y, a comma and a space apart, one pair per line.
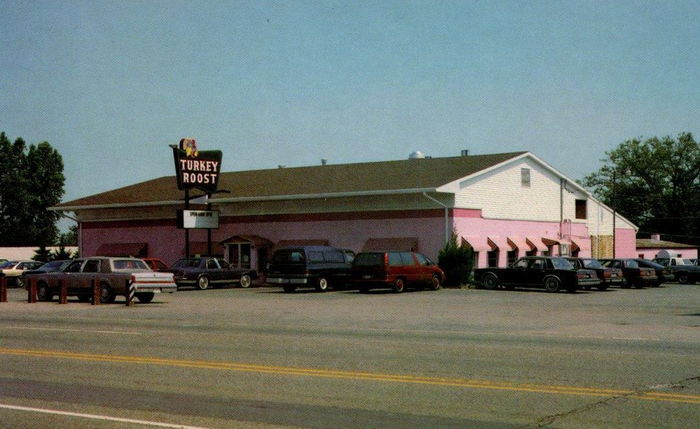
343, 230
466, 224
167, 242
625, 243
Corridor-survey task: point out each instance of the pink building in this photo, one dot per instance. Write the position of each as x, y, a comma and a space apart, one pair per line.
656, 247
503, 205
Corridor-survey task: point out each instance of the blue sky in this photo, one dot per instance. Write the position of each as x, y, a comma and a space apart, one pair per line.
111, 84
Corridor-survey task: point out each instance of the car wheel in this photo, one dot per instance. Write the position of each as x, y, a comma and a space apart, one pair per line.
322, 284
43, 293
289, 289
435, 283
203, 282
625, 283
145, 297
106, 294
246, 281
552, 284
491, 281
682, 278
398, 285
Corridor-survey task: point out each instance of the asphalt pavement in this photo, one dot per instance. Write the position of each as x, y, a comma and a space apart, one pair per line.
261, 358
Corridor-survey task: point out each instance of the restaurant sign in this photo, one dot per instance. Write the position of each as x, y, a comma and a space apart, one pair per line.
196, 169
197, 219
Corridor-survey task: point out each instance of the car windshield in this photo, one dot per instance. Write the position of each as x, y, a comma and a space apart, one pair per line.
288, 257
368, 259
562, 264
52, 266
129, 264
7, 264
592, 263
183, 263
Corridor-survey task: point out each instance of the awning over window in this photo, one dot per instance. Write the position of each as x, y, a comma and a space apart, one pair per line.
501, 243
580, 244
478, 243
406, 244
537, 243
255, 240
135, 250
520, 243
552, 241
302, 242
201, 248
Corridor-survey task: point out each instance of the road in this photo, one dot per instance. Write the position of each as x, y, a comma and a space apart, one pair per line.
262, 358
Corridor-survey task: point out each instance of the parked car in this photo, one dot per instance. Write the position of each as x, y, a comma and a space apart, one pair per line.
113, 274
14, 269
155, 264
395, 270
551, 273
682, 269
319, 267
606, 276
663, 274
634, 274
49, 267
202, 272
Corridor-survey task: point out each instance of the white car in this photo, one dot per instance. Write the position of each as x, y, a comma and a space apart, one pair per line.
14, 269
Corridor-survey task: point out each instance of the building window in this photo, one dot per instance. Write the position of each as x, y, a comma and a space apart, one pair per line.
525, 177
239, 255
492, 258
581, 211
512, 256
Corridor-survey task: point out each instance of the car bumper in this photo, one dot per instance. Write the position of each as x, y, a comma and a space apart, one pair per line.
288, 280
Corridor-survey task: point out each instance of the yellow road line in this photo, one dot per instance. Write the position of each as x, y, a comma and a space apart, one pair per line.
396, 378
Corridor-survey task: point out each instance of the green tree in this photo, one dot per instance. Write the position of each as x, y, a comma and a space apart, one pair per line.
42, 254
655, 183
457, 261
31, 180
69, 238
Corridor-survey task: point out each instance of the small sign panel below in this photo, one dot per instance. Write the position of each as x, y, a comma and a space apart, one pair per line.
198, 219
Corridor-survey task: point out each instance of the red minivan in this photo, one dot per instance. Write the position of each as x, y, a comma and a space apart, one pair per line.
395, 270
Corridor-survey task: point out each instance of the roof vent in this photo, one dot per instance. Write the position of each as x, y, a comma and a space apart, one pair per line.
416, 155
465, 152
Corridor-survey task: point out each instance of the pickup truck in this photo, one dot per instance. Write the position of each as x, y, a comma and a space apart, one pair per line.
683, 270
552, 274
113, 274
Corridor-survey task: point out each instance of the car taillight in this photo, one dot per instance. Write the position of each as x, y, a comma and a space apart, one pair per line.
606, 274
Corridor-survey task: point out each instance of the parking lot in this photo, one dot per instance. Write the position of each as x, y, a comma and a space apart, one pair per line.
452, 358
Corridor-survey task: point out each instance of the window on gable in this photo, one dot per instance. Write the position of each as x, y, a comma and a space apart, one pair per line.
525, 177
581, 210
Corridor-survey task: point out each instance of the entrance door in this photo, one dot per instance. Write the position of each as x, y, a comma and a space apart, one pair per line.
239, 255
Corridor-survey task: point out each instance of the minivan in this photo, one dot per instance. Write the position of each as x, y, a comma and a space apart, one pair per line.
395, 270
319, 267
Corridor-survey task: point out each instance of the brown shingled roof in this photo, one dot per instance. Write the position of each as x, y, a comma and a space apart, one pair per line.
643, 243
321, 179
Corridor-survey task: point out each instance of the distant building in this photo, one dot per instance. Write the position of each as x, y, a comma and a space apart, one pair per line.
655, 247
504, 205
26, 253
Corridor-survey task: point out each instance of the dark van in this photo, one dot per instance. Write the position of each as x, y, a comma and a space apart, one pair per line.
319, 267
395, 270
